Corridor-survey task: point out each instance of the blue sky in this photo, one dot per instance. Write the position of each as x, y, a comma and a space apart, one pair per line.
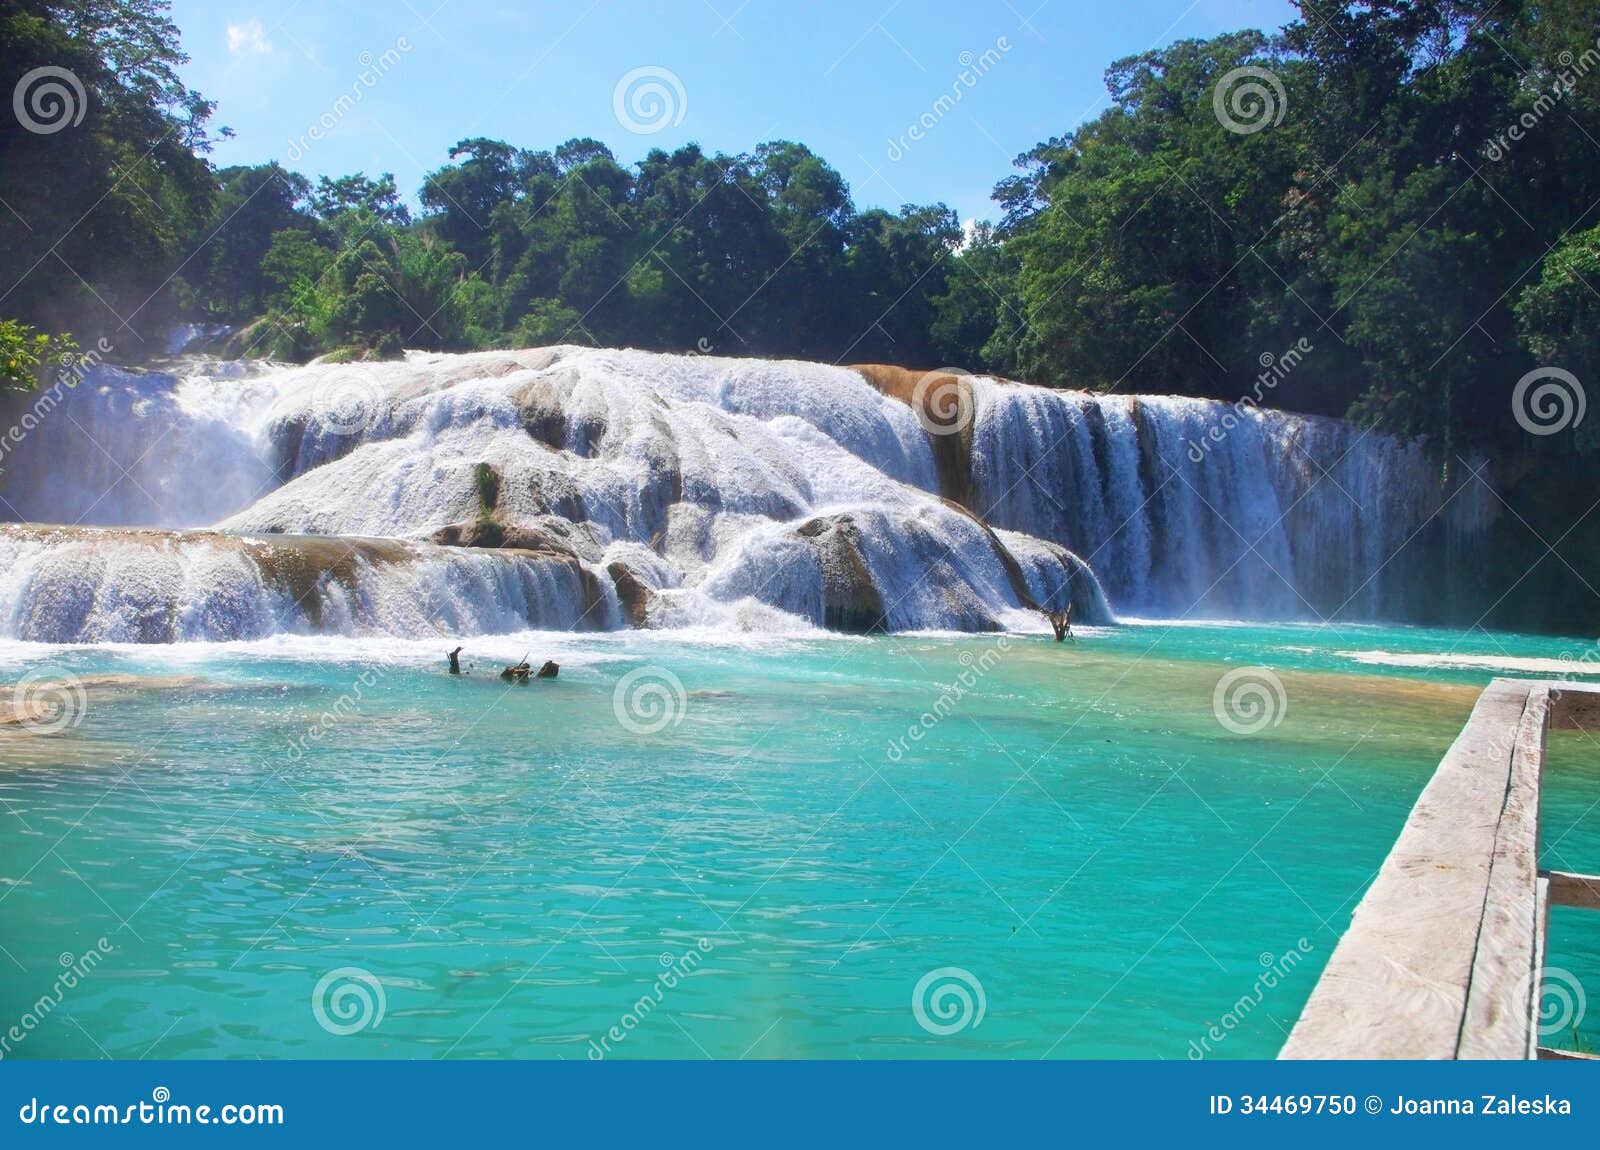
846, 78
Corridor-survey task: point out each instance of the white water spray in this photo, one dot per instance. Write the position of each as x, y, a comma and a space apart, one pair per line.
737, 493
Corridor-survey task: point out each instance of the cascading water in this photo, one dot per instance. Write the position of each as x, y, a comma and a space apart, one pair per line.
596, 487
140, 586
138, 449
1188, 507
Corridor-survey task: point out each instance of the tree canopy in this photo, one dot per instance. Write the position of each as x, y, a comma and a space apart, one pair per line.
1406, 186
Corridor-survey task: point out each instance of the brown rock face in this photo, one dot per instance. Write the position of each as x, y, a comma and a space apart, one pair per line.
634, 596
1083, 593
491, 533
851, 601
943, 403
544, 418
539, 404
303, 563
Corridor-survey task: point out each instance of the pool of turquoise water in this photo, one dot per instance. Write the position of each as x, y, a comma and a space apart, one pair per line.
818, 824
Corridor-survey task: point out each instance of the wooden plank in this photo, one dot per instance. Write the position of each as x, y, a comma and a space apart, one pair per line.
1500, 996
1540, 944
1396, 985
1579, 890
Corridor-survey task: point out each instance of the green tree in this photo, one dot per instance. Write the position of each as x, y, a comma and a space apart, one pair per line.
26, 355
109, 185
378, 198
251, 207
1558, 316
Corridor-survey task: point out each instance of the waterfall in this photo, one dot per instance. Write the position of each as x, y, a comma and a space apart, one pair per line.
96, 585
1188, 507
567, 487
137, 448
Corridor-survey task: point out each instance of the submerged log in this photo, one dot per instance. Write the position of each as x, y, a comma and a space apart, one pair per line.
521, 672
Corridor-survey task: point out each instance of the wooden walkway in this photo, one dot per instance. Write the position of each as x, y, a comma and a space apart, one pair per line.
1444, 954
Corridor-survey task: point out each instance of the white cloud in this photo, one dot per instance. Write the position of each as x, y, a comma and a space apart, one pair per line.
249, 36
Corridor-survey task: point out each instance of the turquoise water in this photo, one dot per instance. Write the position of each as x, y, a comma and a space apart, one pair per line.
514, 868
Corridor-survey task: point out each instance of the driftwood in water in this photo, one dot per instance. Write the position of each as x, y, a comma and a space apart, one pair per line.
455, 661
521, 672
1061, 624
